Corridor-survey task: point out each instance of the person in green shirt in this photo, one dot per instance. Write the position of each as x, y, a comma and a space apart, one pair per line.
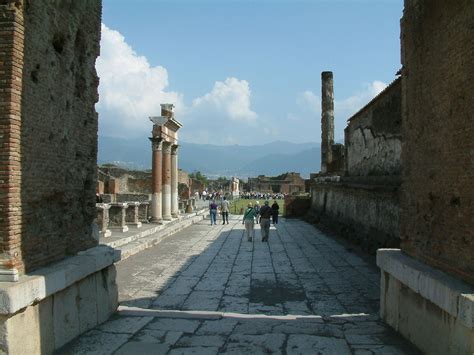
249, 221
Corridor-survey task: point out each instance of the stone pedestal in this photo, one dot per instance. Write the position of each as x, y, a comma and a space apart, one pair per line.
143, 211
432, 309
166, 182
103, 219
117, 215
174, 181
131, 217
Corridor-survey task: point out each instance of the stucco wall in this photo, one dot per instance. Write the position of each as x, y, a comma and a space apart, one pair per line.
366, 214
373, 136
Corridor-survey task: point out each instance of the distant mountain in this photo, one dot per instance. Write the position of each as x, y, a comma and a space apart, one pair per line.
212, 160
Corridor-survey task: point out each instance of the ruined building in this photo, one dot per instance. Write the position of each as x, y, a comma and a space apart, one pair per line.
357, 191
288, 183
48, 135
408, 179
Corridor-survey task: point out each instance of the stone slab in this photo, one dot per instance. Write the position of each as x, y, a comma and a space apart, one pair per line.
439, 288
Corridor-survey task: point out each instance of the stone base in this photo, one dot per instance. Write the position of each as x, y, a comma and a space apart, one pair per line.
119, 228
433, 310
106, 234
136, 225
45, 310
8, 275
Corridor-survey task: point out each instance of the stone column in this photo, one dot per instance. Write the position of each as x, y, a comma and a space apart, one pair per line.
327, 119
166, 182
156, 200
174, 181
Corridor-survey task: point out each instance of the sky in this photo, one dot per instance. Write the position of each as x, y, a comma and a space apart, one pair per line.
242, 71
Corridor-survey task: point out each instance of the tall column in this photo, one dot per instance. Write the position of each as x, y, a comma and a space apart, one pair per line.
166, 192
156, 214
174, 181
327, 119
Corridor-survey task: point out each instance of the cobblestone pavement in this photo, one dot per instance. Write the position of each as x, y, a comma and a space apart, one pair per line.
300, 293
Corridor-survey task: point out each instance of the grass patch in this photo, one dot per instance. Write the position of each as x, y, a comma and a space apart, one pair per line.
238, 206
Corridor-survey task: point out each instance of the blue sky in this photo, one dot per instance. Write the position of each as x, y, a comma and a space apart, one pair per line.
242, 72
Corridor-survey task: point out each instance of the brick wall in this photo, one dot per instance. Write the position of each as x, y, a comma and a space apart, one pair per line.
11, 68
58, 132
373, 136
437, 221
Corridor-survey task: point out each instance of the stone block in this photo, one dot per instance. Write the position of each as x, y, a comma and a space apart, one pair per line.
107, 293
66, 316
87, 303
466, 310
32, 329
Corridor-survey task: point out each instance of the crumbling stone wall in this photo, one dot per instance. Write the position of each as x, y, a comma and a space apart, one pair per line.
364, 212
437, 202
373, 136
56, 134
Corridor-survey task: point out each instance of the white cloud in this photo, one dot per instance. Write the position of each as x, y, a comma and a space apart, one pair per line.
230, 98
130, 89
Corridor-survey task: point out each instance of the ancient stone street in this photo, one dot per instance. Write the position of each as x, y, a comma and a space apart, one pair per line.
208, 290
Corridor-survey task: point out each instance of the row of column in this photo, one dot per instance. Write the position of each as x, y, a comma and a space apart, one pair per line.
164, 202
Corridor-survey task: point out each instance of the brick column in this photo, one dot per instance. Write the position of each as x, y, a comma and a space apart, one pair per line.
11, 67
166, 192
156, 199
174, 181
327, 119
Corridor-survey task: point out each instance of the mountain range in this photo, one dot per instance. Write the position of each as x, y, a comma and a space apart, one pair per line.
212, 160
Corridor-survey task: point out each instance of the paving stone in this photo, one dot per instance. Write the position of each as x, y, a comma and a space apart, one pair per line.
169, 302
178, 325
95, 342
305, 344
199, 350
135, 347
269, 343
223, 326
201, 340
127, 325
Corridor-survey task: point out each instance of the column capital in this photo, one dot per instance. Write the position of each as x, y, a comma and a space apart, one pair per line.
166, 147
156, 143
174, 149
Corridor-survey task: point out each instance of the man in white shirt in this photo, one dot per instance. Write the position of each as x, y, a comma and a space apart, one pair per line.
225, 205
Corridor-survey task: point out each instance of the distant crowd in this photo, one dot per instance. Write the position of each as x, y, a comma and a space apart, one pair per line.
262, 196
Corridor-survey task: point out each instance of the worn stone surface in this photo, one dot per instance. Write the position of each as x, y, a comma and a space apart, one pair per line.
301, 292
437, 220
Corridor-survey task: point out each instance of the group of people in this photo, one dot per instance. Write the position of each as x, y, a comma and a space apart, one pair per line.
224, 207
254, 214
266, 196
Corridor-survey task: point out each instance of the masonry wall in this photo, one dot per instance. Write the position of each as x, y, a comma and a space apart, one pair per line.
373, 136
437, 202
364, 213
58, 129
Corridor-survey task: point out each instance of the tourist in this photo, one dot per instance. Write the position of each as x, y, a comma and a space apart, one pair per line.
213, 212
265, 214
257, 210
248, 220
275, 209
98, 198
225, 210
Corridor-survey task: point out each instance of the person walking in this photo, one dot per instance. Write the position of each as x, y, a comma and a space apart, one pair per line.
275, 210
213, 211
248, 220
257, 211
265, 214
225, 205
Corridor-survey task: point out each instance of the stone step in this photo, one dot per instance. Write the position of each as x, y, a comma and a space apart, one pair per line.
144, 239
